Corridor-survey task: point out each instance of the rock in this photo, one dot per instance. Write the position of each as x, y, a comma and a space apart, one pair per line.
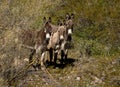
26, 60
78, 78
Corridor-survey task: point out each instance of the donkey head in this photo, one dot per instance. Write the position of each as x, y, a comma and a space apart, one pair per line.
69, 25
62, 32
47, 28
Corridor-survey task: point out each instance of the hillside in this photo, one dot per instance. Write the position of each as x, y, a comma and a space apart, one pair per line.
94, 60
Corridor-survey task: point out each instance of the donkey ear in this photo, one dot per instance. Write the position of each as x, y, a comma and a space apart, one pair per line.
61, 23
44, 19
49, 19
67, 16
64, 23
72, 16
58, 22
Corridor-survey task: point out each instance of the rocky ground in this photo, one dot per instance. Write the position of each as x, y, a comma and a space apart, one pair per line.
79, 71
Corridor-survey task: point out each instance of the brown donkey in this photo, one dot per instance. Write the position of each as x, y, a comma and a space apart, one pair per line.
55, 42
69, 31
38, 41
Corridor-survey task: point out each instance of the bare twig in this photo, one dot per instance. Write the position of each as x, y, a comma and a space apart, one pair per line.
20, 72
26, 46
51, 77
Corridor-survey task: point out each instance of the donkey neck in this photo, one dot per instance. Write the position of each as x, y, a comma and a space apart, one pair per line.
54, 27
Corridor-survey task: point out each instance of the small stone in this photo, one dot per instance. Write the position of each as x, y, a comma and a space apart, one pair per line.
60, 78
26, 59
77, 78
68, 77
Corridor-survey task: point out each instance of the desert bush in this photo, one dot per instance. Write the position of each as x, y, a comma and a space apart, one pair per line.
92, 47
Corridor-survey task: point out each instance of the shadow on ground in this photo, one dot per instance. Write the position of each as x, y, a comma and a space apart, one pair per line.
68, 62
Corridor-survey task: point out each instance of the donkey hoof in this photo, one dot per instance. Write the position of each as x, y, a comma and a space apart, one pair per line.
55, 67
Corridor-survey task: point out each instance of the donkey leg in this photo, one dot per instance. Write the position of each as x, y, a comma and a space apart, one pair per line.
37, 62
55, 59
62, 55
51, 54
31, 56
42, 60
66, 57
66, 53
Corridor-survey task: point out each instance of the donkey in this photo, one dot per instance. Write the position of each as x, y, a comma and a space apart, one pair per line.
69, 23
55, 35
39, 40
55, 42
49, 21
69, 31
